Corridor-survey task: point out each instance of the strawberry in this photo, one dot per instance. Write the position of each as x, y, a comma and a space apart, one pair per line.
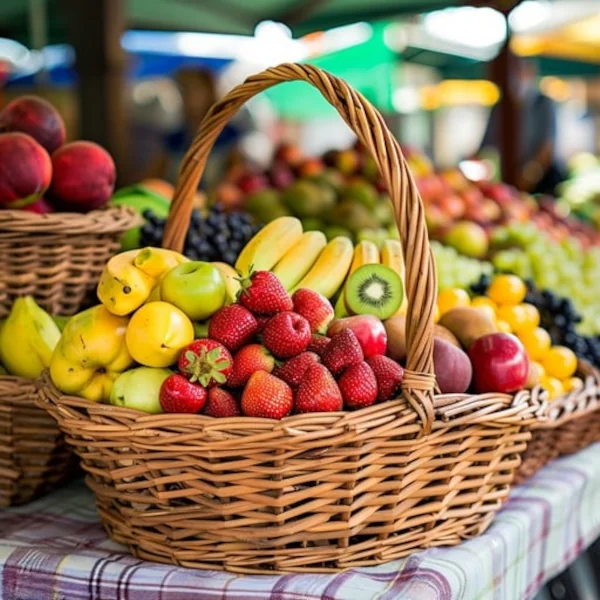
206, 362
247, 361
233, 326
389, 375
342, 352
286, 334
263, 294
262, 320
267, 396
293, 370
221, 403
316, 309
318, 391
180, 395
318, 343
358, 386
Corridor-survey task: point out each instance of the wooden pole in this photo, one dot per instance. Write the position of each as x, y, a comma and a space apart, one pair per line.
95, 30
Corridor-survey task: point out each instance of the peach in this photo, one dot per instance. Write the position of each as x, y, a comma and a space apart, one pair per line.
25, 170
36, 117
84, 177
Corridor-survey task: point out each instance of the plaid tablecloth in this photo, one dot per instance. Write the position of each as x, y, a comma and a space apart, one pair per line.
55, 549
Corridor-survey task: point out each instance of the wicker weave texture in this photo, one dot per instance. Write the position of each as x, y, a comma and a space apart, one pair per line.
57, 258
315, 492
34, 457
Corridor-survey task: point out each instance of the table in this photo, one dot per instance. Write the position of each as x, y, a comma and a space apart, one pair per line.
55, 548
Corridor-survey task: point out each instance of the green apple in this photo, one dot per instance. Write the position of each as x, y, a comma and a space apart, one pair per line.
197, 288
139, 389
470, 239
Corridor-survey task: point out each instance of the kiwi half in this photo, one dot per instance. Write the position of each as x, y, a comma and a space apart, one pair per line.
374, 290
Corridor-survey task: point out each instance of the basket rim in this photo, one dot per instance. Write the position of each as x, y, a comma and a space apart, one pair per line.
113, 219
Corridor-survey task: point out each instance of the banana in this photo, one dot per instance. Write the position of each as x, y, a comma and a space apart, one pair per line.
365, 253
129, 278
269, 245
232, 281
328, 273
392, 256
298, 260
27, 339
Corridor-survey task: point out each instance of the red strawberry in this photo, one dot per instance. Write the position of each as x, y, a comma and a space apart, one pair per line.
233, 326
179, 395
247, 361
206, 362
318, 391
286, 334
293, 370
262, 320
389, 375
263, 294
221, 403
267, 396
316, 309
342, 352
318, 343
358, 386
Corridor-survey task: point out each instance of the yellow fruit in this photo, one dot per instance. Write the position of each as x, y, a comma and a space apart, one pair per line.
331, 268
452, 298
532, 316
91, 354
535, 375
515, 316
157, 333
269, 245
436, 314
572, 383
507, 289
560, 362
537, 342
392, 256
554, 386
299, 259
503, 326
483, 301
129, 278
232, 282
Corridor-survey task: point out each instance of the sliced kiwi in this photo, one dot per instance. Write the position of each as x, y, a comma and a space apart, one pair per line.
374, 290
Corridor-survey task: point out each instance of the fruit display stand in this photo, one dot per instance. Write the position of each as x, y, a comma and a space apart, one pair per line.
314, 492
58, 257
34, 457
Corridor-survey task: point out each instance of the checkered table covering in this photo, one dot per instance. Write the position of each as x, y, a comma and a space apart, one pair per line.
55, 549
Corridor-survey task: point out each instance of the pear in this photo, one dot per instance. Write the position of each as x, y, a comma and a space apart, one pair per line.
27, 339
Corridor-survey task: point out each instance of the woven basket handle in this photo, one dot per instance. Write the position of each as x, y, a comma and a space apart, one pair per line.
369, 126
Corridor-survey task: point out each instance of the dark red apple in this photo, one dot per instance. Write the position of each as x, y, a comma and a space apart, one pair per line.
36, 117
369, 331
500, 363
25, 170
84, 177
281, 176
250, 183
40, 207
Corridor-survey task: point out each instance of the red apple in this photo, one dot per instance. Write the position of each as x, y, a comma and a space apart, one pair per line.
84, 176
369, 331
40, 207
281, 176
25, 170
500, 363
250, 183
37, 118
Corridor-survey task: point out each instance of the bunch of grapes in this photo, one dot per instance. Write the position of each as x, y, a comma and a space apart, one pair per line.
455, 270
218, 236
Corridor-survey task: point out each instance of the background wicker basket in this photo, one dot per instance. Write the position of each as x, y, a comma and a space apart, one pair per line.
34, 457
572, 423
314, 492
57, 258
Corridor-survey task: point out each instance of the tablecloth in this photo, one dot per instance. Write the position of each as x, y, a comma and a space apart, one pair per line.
56, 549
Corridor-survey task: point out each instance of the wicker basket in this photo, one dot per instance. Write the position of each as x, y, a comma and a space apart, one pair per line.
314, 492
58, 257
572, 423
34, 457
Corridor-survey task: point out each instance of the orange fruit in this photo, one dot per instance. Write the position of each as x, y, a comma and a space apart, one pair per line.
560, 362
532, 316
452, 298
503, 327
507, 289
515, 316
572, 383
554, 386
537, 342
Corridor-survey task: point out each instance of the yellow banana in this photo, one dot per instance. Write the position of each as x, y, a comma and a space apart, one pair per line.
365, 253
298, 260
129, 278
392, 256
267, 247
232, 282
331, 268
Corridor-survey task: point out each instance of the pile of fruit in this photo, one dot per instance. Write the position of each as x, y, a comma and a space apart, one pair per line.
42, 174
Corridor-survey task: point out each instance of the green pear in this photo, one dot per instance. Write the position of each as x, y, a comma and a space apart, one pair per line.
139, 389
